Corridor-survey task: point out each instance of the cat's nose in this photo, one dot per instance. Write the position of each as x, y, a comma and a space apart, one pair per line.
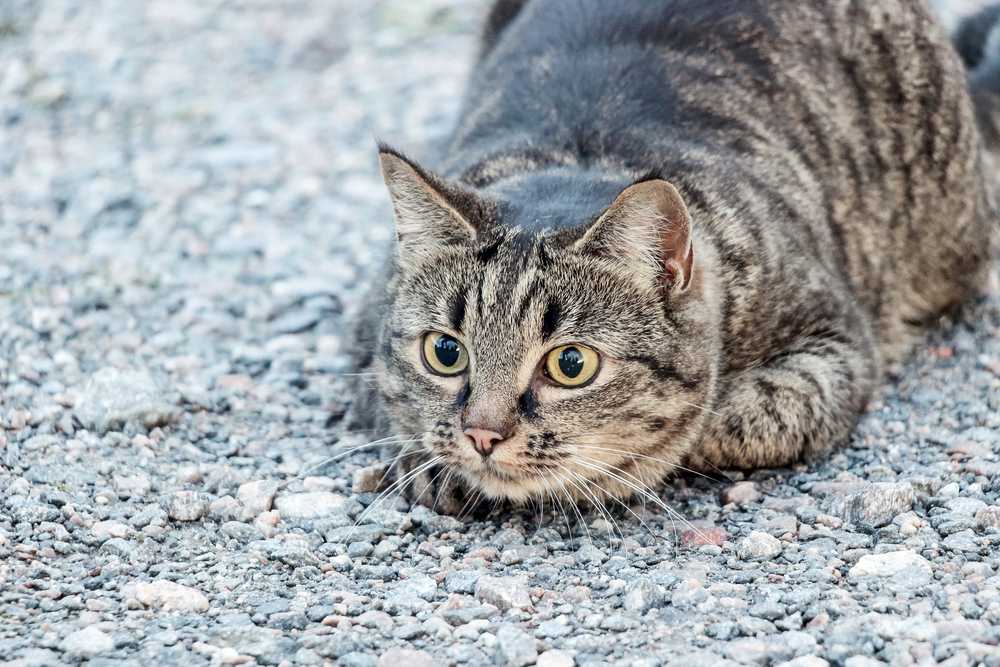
483, 440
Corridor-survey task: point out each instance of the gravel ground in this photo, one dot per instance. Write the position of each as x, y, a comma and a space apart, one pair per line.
189, 203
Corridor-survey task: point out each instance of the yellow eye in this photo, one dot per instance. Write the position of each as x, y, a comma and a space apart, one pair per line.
443, 354
572, 365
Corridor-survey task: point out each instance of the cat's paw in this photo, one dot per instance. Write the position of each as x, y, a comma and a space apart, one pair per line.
433, 487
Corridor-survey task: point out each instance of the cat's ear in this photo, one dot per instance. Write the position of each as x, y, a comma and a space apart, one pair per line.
648, 227
425, 219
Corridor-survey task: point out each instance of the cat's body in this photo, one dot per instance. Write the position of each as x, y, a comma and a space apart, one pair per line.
831, 167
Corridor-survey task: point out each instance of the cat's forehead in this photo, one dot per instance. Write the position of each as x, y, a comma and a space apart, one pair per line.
552, 200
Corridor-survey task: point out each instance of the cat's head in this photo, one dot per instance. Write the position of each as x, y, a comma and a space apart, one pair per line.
540, 355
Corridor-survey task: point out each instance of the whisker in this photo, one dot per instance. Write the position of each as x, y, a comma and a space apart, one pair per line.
700, 407
398, 484
562, 509
471, 501
598, 504
444, 485
347, 452
634, 456
576, 510
643, 489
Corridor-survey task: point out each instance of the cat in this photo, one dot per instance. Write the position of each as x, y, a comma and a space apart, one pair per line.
689, 234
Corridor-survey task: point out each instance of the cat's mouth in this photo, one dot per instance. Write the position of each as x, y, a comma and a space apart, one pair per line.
497, 470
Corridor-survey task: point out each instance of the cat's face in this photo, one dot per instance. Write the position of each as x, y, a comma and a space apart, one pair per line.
544, 364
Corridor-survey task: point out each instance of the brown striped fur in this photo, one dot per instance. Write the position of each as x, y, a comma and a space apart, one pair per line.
829, 159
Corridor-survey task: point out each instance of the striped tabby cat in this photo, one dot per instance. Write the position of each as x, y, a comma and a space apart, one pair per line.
679, 233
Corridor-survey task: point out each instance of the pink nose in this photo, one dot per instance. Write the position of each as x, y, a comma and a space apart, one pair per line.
483, 440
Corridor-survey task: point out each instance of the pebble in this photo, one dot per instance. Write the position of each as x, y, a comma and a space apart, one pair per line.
741, 493
256, 497
187, 505
758, 546
504, 592
805, 661
516, 647
87, 643
988, 517
310, 505
642, 595
555, 658
406, 657
113, 397
105, 530
169, 596
904, 566
877, 504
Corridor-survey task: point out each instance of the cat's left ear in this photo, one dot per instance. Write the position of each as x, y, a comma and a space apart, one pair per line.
648, 227
426, 218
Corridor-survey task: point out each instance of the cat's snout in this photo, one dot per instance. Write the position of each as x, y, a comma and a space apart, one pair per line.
483, 440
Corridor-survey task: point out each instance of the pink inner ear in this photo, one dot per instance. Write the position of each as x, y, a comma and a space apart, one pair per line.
678, 251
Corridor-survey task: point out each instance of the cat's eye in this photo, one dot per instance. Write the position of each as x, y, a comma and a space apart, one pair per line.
572, 365
443, 354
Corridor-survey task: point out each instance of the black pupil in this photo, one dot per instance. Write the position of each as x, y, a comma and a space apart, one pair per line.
447, 351
571, 362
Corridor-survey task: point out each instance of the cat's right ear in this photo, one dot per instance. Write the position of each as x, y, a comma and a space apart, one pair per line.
425, 219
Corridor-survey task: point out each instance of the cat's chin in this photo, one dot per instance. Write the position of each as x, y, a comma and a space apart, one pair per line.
497, 483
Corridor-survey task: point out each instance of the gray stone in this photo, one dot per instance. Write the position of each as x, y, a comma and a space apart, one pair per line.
758, 546
309, 505
504, 592
555, 658
87, 643
642, 595
114, 397
876, 505
256, 497
461, 581
406, 657
516, 647
903, 566
187, 505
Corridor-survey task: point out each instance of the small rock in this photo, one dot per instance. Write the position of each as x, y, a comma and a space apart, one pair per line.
461, 581
555, 658
115, 397
704, 536
504, 592
902, 566
132, 486
105, 530
87, 643
642, 595
406, 657
741, 493
256, 497
169, 596
988, 517
877, 505
224, 509
516, 647
187, 505
588, 553
367, 479
758, 546
965, 506
306, 506
805, 661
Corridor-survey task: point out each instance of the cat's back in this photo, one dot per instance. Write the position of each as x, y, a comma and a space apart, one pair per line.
841, 129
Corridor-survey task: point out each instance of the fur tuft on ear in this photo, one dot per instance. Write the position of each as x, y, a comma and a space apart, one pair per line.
425, 219
647, 227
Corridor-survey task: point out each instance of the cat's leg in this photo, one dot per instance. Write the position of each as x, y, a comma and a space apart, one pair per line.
796, 404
